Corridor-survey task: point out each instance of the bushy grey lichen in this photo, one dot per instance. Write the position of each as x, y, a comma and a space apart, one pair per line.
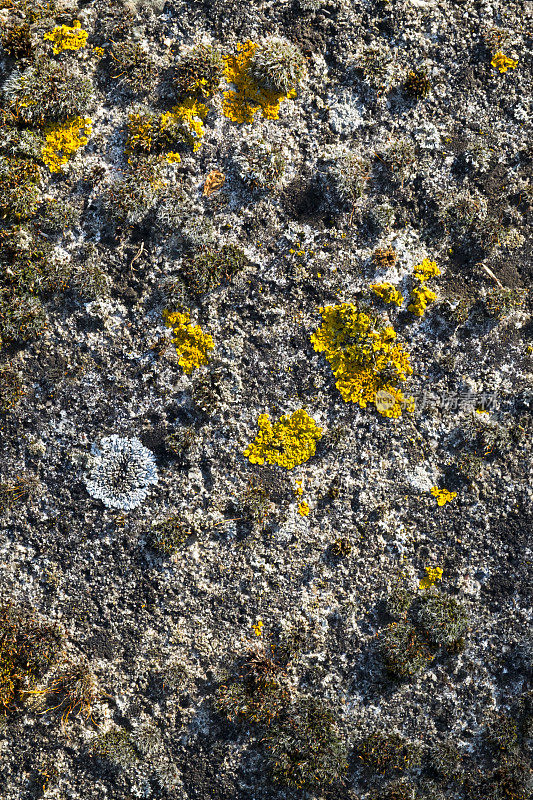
277, 65
47, 92
261, 164
122, 470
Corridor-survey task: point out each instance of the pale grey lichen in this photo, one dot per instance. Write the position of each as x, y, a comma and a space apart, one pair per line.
277, 65
122, 470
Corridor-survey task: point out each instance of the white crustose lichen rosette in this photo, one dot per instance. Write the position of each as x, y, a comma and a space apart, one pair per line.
121, 472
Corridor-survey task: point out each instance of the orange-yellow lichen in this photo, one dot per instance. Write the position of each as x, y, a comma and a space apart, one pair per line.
503, 62
287, 443
387, 292
242, 103
63, 140
65, 38
365, 359
190, 341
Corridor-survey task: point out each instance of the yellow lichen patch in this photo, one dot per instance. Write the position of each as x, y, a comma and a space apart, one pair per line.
173, 158
427, 269
190, 341
185, 122
258, 627
63, 140
443, 495
503, 62
287, 443
387, 292
420, 297
365, 359
65, 38
241, 104
303, 509
433, 574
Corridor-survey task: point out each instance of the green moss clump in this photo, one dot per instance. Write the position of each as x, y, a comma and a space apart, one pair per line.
28, 269
170, 535
417, 84
403, 650
11, 389
47, 92
259, 693
253, 503
384, 753
27, 650
443, 619
19, 187
133, 67
305, 749
502, 301
399, 790
501, 733
210, 268
20, 489
56, 216
446, 760
116, 746
341, 547
198, 72
136, 192
16, 41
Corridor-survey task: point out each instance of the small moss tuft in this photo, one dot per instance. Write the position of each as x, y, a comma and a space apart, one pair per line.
403, 650
306, 749
443, 619
417, 84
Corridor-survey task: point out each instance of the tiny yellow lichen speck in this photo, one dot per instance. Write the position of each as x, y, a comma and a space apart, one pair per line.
287, 443
190, 341
65, 38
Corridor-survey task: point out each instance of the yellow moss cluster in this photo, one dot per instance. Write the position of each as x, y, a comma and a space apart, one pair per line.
63, 140
503, 62
433, 574
187, 119
241, 104
190, 341
387, 292
443, 495
421, 295
287, 443
366, 360
65, 38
